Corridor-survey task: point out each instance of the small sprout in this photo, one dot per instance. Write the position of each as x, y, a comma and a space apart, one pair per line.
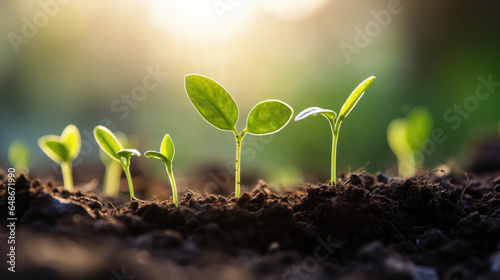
63, 150
166, 154
336, 121
218, 108
110, 144
114, 169
19, 155
406, 137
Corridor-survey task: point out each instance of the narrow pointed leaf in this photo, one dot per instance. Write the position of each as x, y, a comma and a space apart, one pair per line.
70, 138
354, 97
157, 155
107, 141
167, 147
55, 150
212, 101
268, 117
313, 111
128, 153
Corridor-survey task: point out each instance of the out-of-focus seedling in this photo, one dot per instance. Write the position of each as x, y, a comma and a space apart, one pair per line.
19, 155
406, 137
336, 121
63, 150
166, 154
112, 146
218, 108
113, 172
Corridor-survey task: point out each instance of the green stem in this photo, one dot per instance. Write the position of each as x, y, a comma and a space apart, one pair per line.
335, 137
112, 179
126, 168
406, 165
239, 139
67, 175
172, 182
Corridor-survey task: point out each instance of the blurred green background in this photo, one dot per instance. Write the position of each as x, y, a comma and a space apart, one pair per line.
81, 62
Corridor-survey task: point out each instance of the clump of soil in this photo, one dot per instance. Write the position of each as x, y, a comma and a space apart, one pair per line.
367, 227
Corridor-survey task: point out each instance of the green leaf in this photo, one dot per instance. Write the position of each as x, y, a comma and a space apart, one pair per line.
105, 157
54, 149
354, 97
396, 137
167, 147
157, 155
212, 101
19, 155
313, 111
107, 141
128, 153
268, 117
418, 127
71, 139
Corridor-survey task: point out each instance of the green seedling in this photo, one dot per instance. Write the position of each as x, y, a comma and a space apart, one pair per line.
63, 150
166, 154
114, 169
19, 155
406, 137
218, 108
112, 146
336, 120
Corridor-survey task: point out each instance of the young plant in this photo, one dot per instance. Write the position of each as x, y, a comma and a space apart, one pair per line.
334, 120
63, 150
406, 137
166, 154
110, 144
218, 108
114, 169
19, 155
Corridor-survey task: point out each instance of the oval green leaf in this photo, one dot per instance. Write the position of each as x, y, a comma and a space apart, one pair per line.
212, 101
418, 127
70, 138
396, 138
107, 141
54, 149
167, 147
105, 157
268, 117
128, 153
157, 155
356, 94
313, 111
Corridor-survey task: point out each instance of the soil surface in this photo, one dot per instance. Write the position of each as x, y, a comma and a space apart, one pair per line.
367, 227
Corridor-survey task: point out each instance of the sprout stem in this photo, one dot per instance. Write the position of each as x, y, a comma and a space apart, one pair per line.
172, 182
406, 165
67, 175
239, 139
112, 179
335, 137
129, 179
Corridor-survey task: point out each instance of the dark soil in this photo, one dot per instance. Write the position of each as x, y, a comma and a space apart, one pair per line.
367, 227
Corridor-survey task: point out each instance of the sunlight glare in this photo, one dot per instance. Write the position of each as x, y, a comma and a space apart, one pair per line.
201, 20
293, 9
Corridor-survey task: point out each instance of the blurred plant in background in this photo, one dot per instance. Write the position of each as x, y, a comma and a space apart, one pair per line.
19, 156
406, 136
